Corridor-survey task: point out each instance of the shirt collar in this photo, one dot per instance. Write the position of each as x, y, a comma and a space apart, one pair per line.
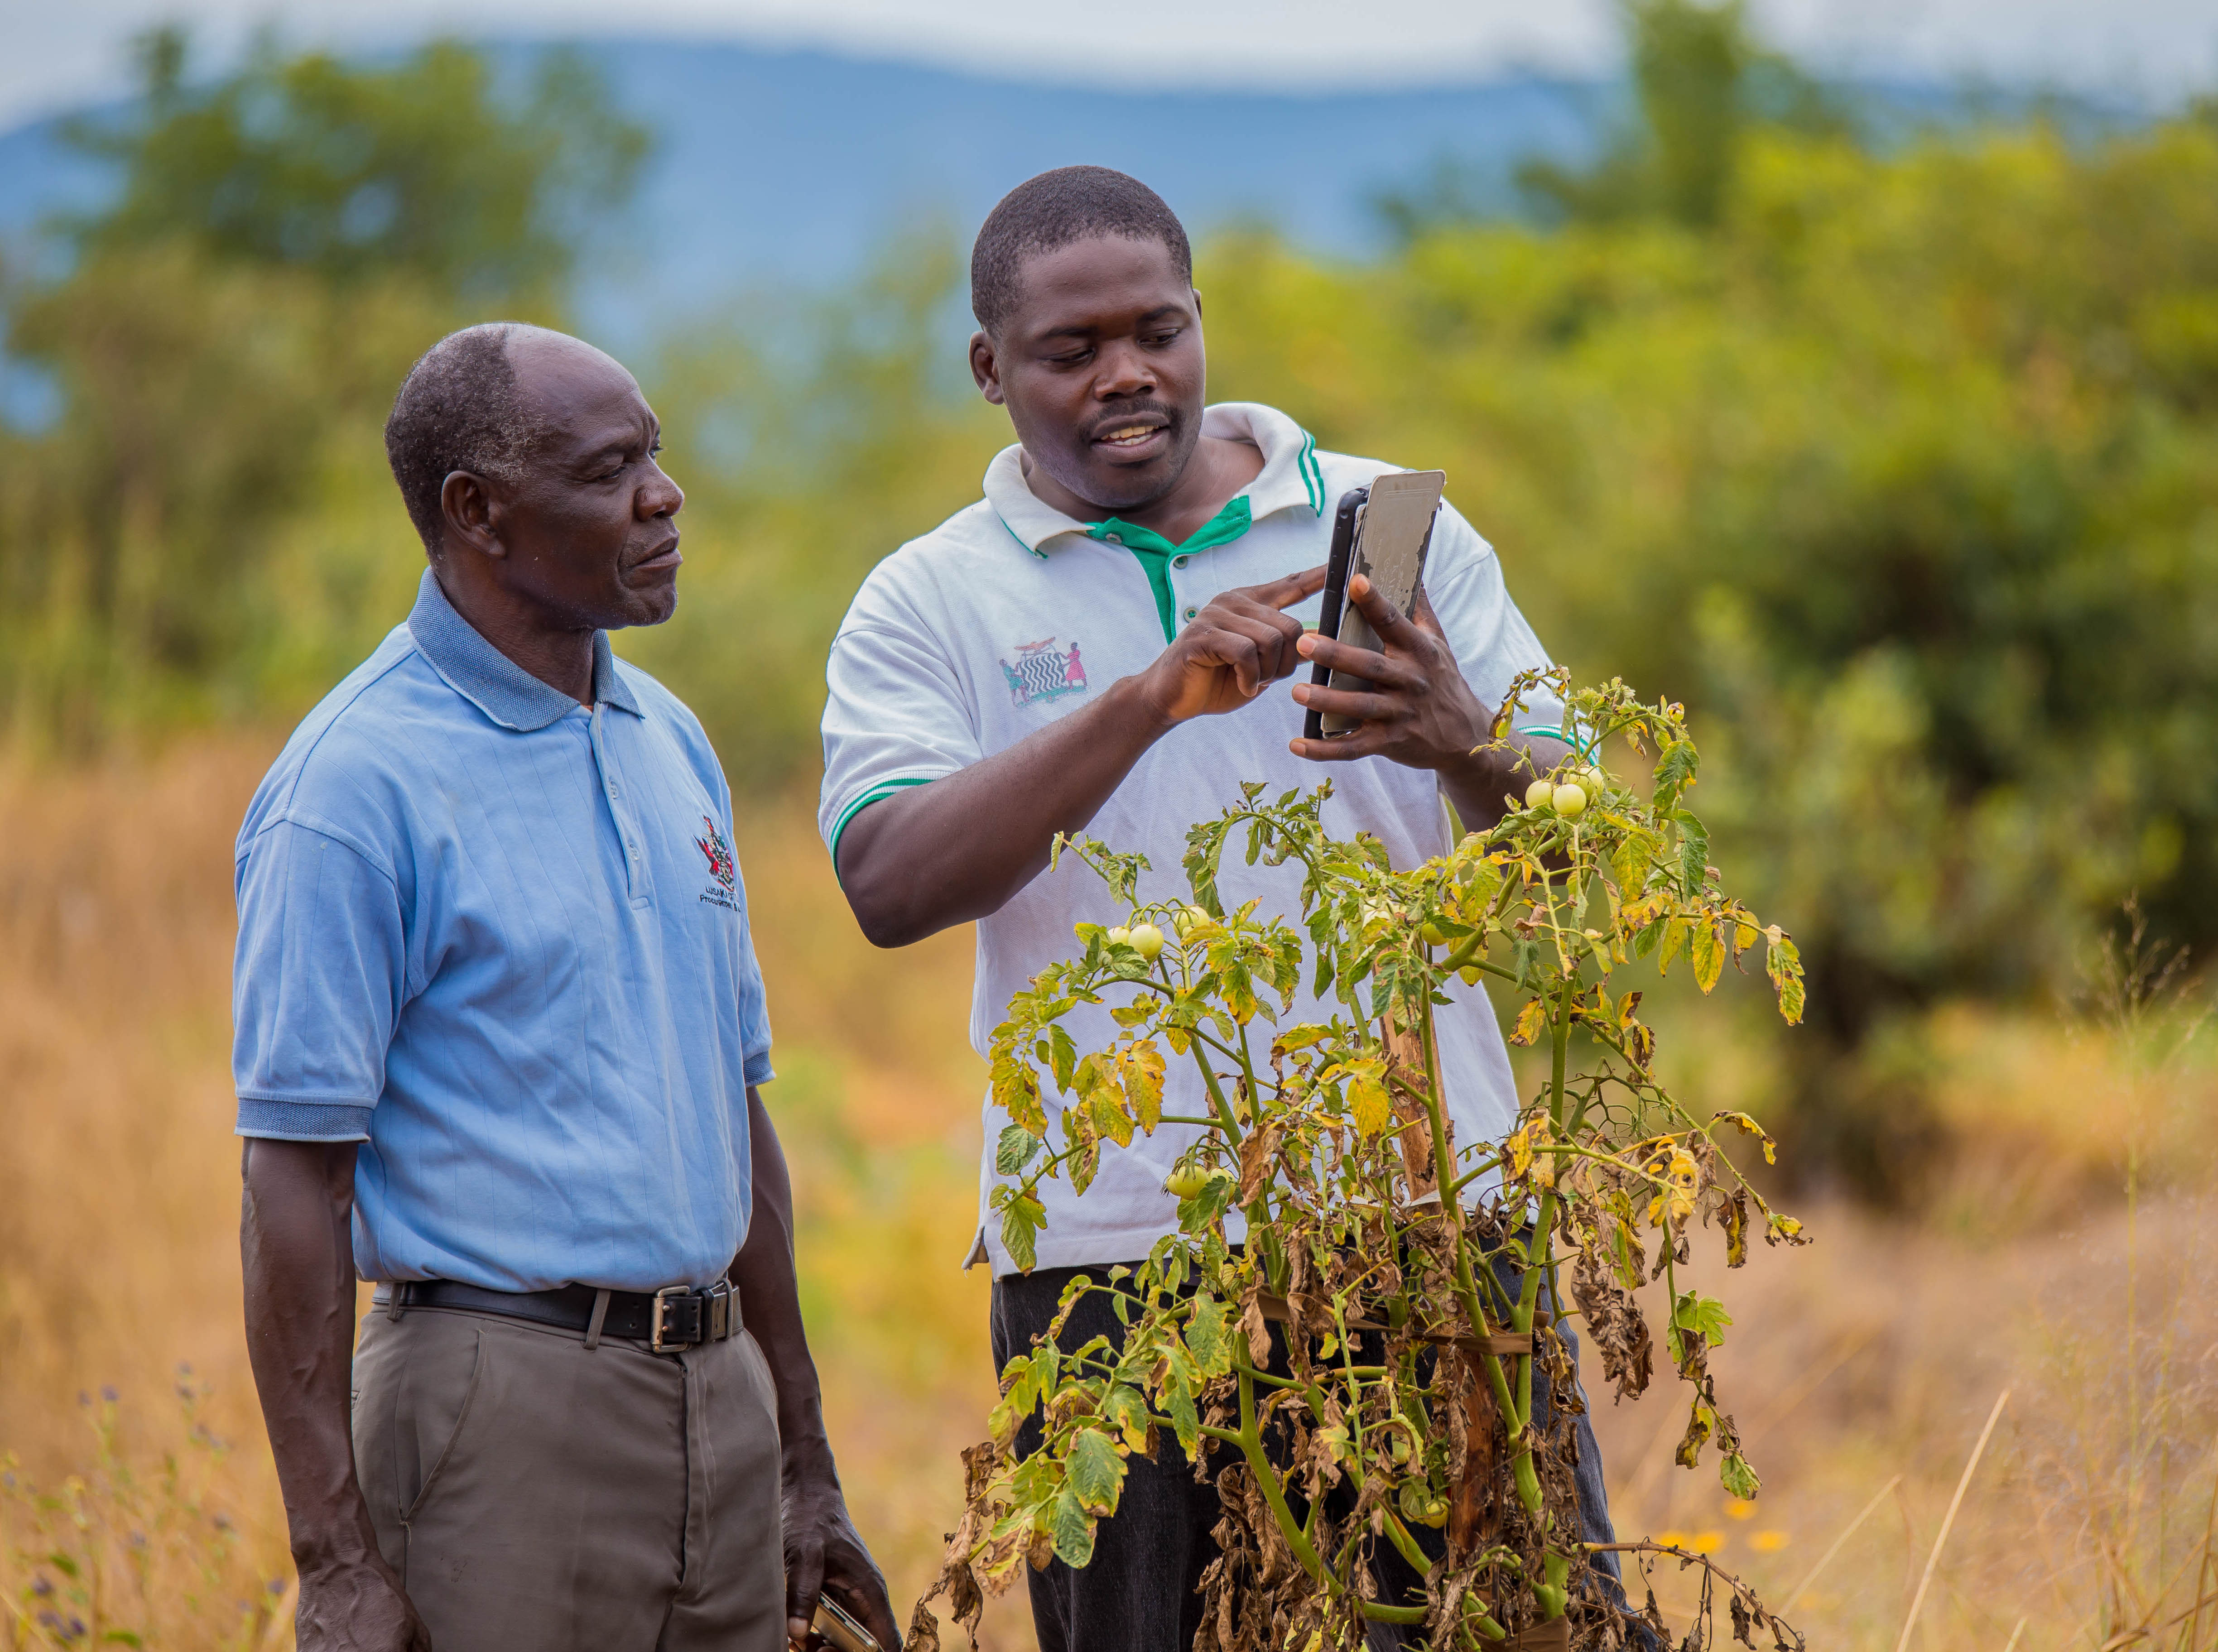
1290, 478
493, 682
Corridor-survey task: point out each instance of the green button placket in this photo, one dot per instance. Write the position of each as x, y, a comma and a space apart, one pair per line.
1156, 554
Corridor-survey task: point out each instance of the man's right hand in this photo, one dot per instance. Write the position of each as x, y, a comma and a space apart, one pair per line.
1232, 651
958, 849
356, 1606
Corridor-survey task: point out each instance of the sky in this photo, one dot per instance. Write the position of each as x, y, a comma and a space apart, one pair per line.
64, 53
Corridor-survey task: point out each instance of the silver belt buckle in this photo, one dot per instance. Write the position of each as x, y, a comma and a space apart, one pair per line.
661, 1314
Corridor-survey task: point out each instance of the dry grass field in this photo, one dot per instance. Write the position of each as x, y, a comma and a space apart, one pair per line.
138, 1505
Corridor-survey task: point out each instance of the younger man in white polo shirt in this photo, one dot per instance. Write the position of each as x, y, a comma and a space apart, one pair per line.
1099, 643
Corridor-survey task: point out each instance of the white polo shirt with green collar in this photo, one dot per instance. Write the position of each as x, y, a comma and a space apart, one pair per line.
1010, 615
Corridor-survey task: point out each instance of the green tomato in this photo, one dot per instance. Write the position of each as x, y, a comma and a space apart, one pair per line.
1119, 936
1469, 974
1186, 1181
1571, 801
1147, 941
1596, 782
1434, 935
1540, 795
1435, 1511
1190, 919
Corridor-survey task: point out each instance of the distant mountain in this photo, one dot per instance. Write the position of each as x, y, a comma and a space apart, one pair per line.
789, 167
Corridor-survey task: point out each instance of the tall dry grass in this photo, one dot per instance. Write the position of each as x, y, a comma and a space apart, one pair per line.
1861, 1369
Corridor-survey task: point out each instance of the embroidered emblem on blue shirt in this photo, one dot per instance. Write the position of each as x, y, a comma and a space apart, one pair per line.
721, 864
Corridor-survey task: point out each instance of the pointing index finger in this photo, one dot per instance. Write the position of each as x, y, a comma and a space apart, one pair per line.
1293, 588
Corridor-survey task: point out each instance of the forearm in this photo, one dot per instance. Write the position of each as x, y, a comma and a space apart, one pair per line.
932, 857
298, 1261
770, 1298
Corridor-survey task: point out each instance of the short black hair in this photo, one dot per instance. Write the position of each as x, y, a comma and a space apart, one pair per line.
458, 409
1054, 209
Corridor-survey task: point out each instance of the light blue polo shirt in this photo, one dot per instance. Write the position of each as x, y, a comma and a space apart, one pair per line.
502, 941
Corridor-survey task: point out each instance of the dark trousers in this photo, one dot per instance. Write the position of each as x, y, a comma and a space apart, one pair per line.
1141, 1592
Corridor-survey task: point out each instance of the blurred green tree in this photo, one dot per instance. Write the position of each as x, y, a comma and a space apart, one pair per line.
224, 343
358, 174
1904, 471
1700, 81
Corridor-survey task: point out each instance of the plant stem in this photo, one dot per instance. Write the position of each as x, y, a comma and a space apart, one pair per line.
1225, 1121
1250, 1440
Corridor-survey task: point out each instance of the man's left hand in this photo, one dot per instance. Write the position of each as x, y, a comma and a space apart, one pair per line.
1418, 710
825, 1555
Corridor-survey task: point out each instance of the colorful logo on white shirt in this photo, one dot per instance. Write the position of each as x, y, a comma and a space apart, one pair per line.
1042, 671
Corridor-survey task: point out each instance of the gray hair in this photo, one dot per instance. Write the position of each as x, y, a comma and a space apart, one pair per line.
458, 409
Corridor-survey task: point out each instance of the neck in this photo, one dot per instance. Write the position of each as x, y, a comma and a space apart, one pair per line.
1219, 469
558, 653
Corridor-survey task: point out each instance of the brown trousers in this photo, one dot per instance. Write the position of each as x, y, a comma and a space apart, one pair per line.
535, 1495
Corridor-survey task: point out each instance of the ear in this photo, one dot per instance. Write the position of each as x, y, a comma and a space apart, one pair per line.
986, 369
1196, 291
473, 513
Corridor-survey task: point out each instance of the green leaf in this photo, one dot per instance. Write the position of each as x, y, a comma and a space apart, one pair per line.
1096, 1470
1015, 1149
1706, 1316
1073, 1530
1675, 772
1694, 852
1186, 1421
1705, 952
1063, 1053
1783, 961
1205, 1337
1021, 1220
1738, 1479
1125, 1410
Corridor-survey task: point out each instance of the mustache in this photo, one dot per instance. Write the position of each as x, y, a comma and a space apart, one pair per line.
1128, 411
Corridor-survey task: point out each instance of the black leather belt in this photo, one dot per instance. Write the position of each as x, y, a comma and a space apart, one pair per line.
676, 1316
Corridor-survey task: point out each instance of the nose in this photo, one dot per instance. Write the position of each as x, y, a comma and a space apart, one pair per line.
1123, 371
660, 496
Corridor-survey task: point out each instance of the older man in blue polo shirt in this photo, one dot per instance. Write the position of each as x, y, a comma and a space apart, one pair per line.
499, 1035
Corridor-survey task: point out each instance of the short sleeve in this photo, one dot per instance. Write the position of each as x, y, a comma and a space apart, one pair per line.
317, 986
896, 714
755, 1015
1492, 642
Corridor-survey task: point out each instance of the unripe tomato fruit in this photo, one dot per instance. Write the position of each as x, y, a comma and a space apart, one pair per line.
1596, 781
1470, 975
1434, 935
1186, 1181
1118, 935
1435, 1511
1147, 940
1540, 795
1190, 920
1570, 802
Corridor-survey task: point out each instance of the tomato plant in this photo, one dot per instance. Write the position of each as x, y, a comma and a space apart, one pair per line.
1414, 1281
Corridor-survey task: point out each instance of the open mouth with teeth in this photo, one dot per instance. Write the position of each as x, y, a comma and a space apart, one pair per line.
1127, 438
